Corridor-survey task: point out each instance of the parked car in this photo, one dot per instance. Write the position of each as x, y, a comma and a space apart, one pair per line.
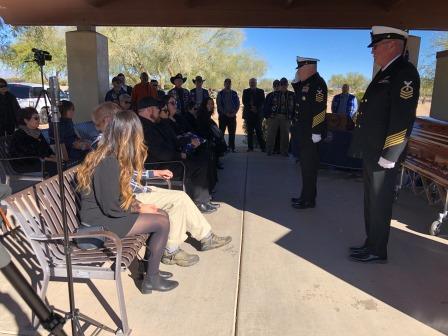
27, 95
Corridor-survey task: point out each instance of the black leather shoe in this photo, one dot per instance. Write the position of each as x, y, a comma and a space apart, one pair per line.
304, 205
357, 248
205, 208
157, 283
296, 199
363, 250
214, 205
368, 258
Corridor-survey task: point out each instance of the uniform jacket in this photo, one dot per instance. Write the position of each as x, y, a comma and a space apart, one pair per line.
255, 97
311, 106
272, 104
387, 112
220, 101
182, 97
352, 105
205, 95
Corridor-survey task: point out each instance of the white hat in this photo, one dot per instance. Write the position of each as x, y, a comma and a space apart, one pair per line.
301, 61
380, 33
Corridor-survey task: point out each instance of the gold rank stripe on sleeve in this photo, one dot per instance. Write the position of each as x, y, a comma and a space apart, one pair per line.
318, 119
395, 139
319, 97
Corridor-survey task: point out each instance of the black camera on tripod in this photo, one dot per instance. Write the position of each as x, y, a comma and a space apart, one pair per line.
40, 56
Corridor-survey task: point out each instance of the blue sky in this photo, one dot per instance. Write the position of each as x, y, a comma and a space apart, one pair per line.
339, 51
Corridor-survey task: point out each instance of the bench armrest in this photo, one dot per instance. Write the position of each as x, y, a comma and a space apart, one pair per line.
161, 163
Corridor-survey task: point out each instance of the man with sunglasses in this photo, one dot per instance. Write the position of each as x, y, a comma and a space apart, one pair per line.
383, 124
9, 108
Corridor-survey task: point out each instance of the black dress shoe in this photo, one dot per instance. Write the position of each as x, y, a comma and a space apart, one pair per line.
205, 208
296, 199
368, 258
214, 205
304, 205
361, 250
357, 248
157, 283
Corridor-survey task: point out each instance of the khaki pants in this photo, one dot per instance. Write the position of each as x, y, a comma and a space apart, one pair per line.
184, 215
274, 123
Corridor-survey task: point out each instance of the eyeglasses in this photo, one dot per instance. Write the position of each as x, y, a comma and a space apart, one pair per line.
3, 86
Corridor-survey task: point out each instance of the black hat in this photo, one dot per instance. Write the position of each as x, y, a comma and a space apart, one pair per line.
178, 76
283, 81
148, 102
198, 79
380, 33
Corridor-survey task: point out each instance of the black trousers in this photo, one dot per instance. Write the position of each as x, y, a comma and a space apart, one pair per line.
379, 190
309, 164
230, 124
254, 124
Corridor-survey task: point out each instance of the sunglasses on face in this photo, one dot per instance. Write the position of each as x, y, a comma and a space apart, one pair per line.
3, 86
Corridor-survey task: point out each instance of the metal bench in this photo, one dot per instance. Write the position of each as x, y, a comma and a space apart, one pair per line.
37, 210
10, 173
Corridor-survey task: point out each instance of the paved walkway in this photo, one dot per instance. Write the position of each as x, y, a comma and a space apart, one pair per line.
289, 275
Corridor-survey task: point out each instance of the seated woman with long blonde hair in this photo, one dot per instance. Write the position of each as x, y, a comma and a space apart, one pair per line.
106, 196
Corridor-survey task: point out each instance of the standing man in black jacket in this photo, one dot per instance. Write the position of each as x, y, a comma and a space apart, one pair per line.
253, 100
309, 126
383, 124
9, 108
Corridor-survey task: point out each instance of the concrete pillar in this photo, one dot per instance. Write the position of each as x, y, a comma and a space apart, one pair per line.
439, 104
88, 69
413, 50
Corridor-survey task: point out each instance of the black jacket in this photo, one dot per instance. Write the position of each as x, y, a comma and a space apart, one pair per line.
161, 141
311, 106
9, 108
386, 113
253, 98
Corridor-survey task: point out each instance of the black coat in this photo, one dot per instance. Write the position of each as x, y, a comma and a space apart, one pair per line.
161, 141
311, 107
253, 98
386, 113
9, 108
24, 145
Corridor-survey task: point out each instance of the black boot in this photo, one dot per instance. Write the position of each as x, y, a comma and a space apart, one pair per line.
157, 283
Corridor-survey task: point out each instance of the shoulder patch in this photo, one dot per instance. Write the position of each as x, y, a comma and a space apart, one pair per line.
319, 96
407, 91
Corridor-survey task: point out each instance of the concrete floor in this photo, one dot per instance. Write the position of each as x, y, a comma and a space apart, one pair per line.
288, 275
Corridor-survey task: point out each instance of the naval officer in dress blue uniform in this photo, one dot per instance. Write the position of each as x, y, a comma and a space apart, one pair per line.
383, 124
308, 126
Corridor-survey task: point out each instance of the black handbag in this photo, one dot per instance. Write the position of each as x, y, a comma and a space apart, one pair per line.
90, 243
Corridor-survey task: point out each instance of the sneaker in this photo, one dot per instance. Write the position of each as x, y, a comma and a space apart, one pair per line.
180, 258
214, 241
